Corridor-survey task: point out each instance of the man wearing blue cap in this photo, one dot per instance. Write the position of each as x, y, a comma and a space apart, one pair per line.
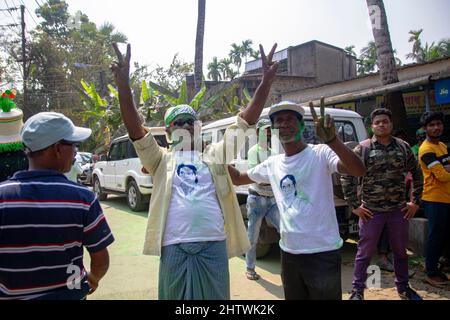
194, 223
260, 201
46, 220
301, 181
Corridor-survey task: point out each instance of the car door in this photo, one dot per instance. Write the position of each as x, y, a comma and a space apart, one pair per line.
109, 172
122, 165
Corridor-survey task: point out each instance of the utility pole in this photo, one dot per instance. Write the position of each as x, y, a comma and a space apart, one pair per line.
24, 58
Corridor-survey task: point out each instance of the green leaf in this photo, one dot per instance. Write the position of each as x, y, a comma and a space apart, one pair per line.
113, 91
247, 95
182, 99
144, 92
195, 103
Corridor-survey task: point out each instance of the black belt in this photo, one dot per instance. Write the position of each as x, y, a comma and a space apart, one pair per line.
254, 193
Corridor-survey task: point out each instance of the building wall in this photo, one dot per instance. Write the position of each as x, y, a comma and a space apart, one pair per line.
302, 61
330, 64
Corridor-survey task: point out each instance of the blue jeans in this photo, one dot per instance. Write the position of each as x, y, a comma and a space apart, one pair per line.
258, 208
438, 215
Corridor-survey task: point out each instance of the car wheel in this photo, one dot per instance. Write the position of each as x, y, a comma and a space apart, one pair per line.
135, 199
98, 190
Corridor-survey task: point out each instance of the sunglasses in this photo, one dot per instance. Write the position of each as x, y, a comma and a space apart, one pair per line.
182, 122
74, 145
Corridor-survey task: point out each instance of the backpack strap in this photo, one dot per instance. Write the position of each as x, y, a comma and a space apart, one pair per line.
404, 146
365, 148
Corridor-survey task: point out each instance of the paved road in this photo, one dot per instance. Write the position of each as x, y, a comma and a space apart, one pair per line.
133, 276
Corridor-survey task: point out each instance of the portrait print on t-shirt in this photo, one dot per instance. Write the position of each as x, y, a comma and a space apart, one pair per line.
294, 200
188, 178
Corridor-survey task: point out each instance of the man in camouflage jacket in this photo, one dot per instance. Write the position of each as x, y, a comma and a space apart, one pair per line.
381, 200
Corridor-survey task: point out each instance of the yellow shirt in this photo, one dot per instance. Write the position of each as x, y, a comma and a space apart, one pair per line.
160, 163
433, 158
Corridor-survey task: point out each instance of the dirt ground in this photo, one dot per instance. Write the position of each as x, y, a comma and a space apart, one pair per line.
133, 276
388, 290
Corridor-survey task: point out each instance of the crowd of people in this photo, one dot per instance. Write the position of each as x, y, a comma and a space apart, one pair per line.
195, 224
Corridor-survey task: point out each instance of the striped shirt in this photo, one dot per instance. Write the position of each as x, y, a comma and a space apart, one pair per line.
45, 221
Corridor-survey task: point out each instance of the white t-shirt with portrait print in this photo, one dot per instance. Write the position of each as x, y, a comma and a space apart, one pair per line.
303, 188
194, 211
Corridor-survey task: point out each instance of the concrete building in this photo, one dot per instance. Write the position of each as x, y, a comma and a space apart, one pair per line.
315, 61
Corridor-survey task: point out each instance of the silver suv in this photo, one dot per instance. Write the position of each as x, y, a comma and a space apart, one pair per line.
121, 172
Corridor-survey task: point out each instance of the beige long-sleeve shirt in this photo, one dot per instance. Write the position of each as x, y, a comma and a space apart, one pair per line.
160, 163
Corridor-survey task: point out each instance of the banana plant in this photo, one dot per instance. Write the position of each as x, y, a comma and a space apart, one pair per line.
102, 117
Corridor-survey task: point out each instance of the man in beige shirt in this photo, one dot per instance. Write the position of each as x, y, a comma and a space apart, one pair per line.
194, 223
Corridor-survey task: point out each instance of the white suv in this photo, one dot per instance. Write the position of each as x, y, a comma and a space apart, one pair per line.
121, 172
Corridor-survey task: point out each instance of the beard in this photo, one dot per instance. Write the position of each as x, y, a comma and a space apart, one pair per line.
186, 140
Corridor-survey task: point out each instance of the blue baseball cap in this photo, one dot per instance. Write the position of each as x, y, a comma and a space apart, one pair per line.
47, 128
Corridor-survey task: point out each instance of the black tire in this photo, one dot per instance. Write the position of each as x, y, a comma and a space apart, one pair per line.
135, 200
262, 250
98, 190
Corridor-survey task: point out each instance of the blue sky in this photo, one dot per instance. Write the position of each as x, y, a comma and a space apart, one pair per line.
159, 29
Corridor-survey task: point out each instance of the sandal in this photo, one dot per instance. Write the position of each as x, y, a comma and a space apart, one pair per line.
252, 275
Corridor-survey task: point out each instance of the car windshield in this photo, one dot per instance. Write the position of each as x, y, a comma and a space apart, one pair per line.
83, 158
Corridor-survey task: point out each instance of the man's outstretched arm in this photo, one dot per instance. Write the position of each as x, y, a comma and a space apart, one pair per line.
239, 178
253, 111
130, 115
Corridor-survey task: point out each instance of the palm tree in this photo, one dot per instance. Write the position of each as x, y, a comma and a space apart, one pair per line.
368, 61
198, 69
236, 55
225, 68
255, 54
246, 49
214, 70
350, 50
386, 62
107, 30
417, 50
444, 47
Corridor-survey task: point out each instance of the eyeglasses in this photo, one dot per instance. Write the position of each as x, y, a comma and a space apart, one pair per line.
182, 122
74, 145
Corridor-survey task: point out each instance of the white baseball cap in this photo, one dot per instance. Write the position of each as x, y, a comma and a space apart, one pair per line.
286, 106
47, 128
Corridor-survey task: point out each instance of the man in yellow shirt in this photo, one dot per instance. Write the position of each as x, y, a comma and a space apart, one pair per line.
435, 163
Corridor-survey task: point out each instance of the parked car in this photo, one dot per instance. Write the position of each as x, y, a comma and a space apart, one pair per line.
87, 164
121, 172
350, 127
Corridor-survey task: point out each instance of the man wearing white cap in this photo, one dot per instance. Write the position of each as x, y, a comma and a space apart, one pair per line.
46, 220
302, 184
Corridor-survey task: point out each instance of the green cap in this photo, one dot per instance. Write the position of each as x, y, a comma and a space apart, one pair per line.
263, 123
174, 112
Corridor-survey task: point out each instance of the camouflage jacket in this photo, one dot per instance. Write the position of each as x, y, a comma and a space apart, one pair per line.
383, 188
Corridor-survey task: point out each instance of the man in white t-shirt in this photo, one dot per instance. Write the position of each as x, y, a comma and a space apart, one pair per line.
302, 184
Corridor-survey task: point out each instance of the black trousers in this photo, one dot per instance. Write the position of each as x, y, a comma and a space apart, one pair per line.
311, 276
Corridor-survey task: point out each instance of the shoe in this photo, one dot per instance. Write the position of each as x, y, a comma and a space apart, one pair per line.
252, 275
437, 280
385, 265
409, 294
356, 294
